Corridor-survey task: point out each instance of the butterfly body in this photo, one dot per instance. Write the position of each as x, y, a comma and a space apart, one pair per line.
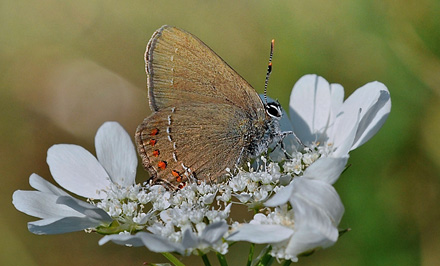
206, 117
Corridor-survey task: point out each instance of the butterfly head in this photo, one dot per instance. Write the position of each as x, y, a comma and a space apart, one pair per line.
273, 110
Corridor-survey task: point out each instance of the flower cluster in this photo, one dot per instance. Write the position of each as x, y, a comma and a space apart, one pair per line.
296, 208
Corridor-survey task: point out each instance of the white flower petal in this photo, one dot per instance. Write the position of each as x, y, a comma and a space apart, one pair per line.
243, 197
281, 197
310, 106
189, 239
261, 233
319, 195
327, 169
214, 232
61, 214
123, 239
375, 101
153, 242
337, 99
344, 131
62, 225
41, 205
157, 243
318, 112
116, 153
85, 208
42, 185
285, 123
313, 229
77, 170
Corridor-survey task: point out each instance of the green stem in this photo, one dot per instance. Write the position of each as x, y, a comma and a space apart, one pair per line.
222, 259
287, 262
251, 254
265, 258
172, 259
205, 260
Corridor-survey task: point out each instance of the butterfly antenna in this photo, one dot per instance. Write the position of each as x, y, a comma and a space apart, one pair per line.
269, 70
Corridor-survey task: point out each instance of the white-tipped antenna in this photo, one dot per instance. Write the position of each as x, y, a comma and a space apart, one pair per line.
269, 70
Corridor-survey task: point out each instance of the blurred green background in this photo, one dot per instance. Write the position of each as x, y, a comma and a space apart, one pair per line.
68, 66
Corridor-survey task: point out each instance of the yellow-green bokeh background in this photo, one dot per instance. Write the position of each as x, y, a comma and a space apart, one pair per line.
68, 66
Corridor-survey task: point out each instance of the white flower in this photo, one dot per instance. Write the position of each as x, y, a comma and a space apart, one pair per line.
59, 212
298, 209
319, 113
182, 221
312, 221
78, 171
207, 238
304, 215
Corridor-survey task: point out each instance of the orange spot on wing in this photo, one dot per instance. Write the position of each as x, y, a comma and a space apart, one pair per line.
156, 153
175, 173
154, 132
152, 142
162, 165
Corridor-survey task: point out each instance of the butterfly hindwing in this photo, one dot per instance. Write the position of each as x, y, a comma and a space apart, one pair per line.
173, 145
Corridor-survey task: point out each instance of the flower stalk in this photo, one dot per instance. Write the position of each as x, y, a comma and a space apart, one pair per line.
222, 259
251, 254
171, 258
205, 259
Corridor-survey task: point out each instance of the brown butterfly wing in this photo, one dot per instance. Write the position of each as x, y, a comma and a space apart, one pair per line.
185, 144
177, 60
204, 111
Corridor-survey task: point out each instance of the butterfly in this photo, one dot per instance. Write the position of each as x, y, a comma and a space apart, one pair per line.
206, 118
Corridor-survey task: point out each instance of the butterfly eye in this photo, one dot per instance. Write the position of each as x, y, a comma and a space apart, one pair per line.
274, 110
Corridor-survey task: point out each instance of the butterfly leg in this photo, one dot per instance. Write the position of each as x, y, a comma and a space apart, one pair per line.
239, 157
286, 133
286, 154
280, 144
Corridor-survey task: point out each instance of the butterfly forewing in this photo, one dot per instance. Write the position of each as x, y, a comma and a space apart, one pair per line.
177, 60
204, 112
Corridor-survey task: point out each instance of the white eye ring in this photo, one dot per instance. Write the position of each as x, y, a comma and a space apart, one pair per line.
273, 109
